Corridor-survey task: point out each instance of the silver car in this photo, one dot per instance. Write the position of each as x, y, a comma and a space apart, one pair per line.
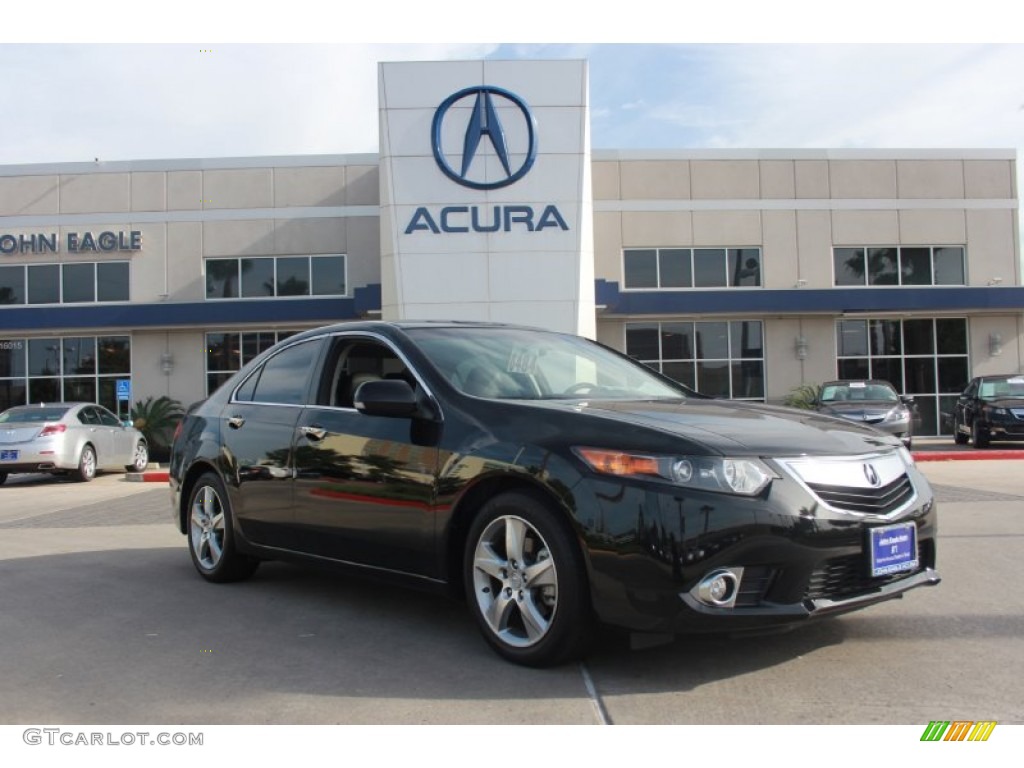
869, 401
68, 438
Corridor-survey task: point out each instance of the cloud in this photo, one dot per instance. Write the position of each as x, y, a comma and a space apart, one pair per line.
77, 102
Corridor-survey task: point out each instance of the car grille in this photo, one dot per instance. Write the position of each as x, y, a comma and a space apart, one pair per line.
849, 576
868, 501
756, 580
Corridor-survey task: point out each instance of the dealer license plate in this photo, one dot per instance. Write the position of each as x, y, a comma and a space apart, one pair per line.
8, 455
893, 549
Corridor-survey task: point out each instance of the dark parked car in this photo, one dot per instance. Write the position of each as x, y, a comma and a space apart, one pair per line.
869, 401
990, 408
550, 480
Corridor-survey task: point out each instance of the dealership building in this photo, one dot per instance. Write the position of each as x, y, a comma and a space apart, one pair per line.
742, 273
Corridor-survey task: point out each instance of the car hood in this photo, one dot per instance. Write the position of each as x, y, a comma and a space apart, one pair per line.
858, 409
1006, 402
738, 428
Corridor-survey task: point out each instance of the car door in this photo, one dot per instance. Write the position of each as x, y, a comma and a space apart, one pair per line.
365, 484
98, 434
967, 405
258, 432
120, 439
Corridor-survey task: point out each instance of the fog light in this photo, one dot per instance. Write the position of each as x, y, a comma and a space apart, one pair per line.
719, 588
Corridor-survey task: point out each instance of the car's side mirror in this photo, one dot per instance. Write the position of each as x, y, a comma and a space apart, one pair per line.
387, 397
127, 423
907, 399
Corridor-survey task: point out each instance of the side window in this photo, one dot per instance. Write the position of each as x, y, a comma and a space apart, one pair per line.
284, 378
88, 416
107, 418
351, 362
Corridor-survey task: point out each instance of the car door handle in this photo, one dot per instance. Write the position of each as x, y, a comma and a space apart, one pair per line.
235, 422
316, 434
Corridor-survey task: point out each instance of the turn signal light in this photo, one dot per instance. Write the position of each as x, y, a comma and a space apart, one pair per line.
617, 463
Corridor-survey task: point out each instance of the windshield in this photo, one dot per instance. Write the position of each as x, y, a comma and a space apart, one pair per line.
1013, 387
858, 391
31, 414
513, 363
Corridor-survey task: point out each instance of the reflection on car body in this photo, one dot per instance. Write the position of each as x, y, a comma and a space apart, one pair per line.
68, 438
552, 481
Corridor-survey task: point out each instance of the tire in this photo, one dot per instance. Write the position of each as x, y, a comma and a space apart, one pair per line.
86, 470
958, 437
979, 437
140, 460
532, 603
3, 478
211, 537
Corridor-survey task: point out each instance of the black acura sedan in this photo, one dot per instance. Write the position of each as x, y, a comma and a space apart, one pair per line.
553, 482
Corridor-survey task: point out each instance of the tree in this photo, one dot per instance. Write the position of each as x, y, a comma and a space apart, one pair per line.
156, 419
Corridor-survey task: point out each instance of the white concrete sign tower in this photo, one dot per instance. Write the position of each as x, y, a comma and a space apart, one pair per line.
486, 203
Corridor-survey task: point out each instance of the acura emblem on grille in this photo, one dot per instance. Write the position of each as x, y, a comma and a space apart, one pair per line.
872, 475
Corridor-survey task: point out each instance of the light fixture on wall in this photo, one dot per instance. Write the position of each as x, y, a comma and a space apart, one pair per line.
800, 346
995, 344
167, 363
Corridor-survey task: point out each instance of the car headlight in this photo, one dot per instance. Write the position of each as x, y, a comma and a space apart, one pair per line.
898, 413
743, 476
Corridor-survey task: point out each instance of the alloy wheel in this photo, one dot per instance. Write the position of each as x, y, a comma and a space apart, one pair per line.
206, 528
515, 581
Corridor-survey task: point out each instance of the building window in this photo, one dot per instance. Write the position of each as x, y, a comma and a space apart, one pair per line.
228, 351
69, 368
69, 283
275, 276
723, 358
672, 268
901, 265
926, 358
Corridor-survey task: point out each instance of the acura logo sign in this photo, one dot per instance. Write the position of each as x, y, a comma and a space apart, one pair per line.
472, 113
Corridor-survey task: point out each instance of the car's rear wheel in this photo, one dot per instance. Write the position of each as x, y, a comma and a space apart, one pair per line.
525, 582
3, 478
211, 537
979, 435
86, 465
958, 436
140, 459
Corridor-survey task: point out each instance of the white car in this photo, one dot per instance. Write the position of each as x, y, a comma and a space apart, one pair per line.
68, 438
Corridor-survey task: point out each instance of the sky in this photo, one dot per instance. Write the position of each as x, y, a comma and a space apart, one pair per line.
76, 86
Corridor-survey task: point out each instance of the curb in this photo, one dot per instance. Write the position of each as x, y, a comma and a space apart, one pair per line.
149, 476
979, 455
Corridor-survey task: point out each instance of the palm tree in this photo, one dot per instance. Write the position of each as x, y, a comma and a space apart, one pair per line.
156, 420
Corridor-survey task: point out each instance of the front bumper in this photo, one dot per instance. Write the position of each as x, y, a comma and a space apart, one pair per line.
650, 546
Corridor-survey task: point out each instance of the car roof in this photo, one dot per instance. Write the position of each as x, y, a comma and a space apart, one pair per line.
857, 381
402, 325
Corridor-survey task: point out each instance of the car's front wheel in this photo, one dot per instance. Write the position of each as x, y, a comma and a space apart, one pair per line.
979, 435
958, 436
3, 478
86, 470
211, 537
140, 459
526, 583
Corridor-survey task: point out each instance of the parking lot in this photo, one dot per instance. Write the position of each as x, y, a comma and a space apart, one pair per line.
105, 621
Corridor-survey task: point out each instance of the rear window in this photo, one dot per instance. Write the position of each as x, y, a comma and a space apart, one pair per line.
30, 414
